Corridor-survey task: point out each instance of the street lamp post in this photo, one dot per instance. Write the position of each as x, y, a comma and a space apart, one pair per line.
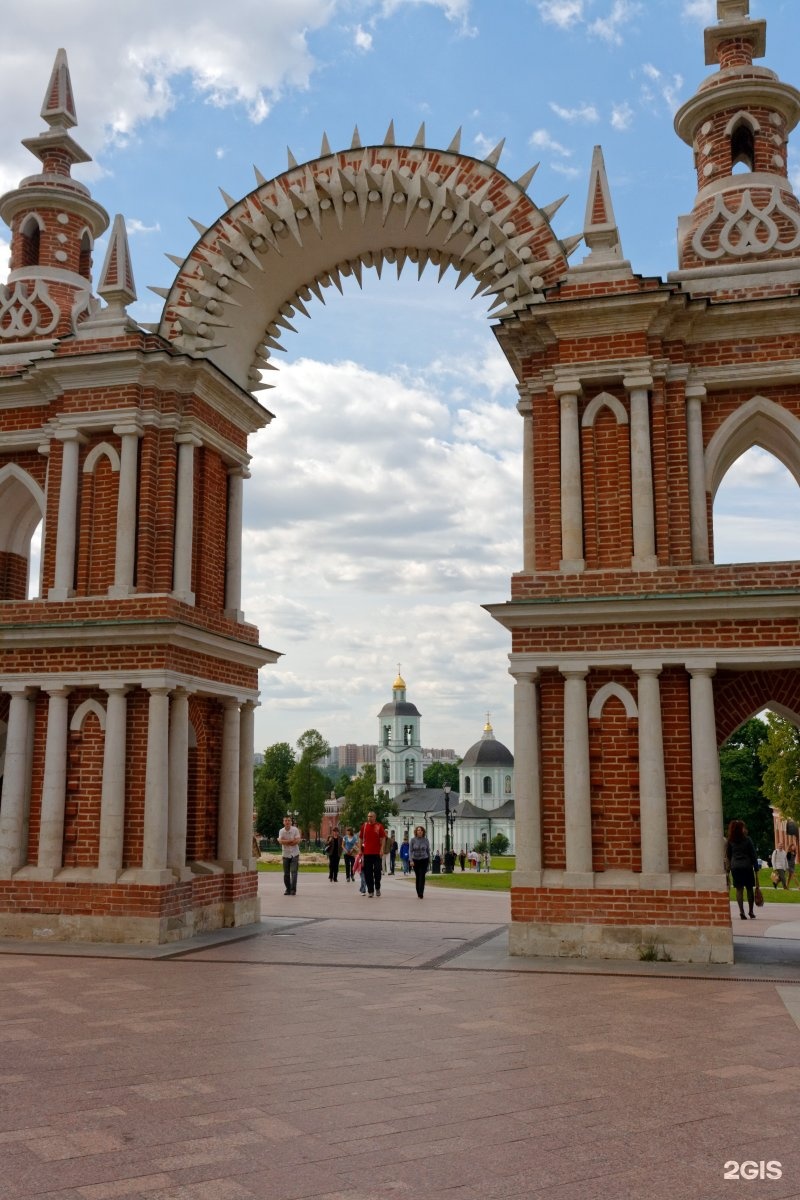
449, 857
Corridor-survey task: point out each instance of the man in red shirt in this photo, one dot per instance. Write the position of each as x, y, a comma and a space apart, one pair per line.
372, 835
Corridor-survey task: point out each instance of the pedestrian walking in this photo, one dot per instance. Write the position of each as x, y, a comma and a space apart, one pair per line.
373, 840
333, 849
420, 855
350, 843
780, 866
791, 860
289, 838
404, 854
744, 865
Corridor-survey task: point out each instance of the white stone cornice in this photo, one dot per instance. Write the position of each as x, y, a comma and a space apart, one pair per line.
739, 659
16, 440
62, 683
686, 609
135, 633
46, 379
743, 376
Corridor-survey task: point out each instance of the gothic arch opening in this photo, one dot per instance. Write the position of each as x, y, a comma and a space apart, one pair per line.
756, 511
21, 515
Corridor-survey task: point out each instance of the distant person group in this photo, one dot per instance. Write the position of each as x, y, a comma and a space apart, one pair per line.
369, 853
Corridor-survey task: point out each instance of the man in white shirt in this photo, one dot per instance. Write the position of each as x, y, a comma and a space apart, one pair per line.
779, 866
289, 838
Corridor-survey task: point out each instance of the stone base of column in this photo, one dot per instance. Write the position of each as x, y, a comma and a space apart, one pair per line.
635, 924
126, 911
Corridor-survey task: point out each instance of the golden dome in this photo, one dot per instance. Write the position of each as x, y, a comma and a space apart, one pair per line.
399, 683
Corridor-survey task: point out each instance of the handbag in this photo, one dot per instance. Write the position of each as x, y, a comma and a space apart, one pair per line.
759, 898
774, 876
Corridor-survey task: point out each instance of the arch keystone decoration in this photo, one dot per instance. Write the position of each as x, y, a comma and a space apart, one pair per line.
297, 234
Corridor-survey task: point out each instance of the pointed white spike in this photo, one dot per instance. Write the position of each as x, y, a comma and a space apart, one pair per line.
325, 146
317, 290
356, 267
260, 179
402, 256
355, 142
199, 226
462, 275
389, 138
228, 200
176, 258
273, 343
550, 210
455, 144
524, 180
419, 140
336, 279
290, 158
494, 157
378, 265
422, 263
299, 305
279, 320
571, 244
443, 265
159, 291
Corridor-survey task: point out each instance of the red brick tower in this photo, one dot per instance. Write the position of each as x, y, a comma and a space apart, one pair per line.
634, 655
127, 686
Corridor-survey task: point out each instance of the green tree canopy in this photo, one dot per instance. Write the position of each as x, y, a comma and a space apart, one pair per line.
308, 785
440, 773
741, 773
271, 794
780, 756
360, 799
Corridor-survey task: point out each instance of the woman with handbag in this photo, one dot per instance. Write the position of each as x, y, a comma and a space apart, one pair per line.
744, 865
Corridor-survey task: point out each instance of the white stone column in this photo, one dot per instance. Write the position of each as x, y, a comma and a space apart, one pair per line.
233, 544
184, 519
572, 559
64, 580
125, 552
16, 780
246, 746
156, 785
577, 788
525, 409
706, 784
228, 813
54, 784
527, 781
178, 780
698, 508
44, 450
642, 506
652, 780
112, 796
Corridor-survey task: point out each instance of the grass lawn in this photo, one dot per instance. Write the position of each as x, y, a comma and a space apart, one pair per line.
473, 881
771, 894
304, 867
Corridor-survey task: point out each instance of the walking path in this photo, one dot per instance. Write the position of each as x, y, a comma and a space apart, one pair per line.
352, 1049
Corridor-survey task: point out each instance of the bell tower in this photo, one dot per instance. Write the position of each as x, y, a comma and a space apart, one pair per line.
634, 654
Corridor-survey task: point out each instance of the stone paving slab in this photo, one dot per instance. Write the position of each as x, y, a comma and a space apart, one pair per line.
335, 1056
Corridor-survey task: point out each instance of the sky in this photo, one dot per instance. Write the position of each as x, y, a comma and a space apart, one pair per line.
384, 505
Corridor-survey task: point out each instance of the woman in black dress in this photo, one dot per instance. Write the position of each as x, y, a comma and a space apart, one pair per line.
333, 849
744, 865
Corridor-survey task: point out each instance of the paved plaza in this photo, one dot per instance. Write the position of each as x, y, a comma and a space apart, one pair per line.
354, 1049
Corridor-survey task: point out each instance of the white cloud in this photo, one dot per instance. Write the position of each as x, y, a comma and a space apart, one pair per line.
484, 143
704, 11
621, 116
581, 112
563, 13
611, 27
456, 11
125, 72
542, 140
133, 226
666, 87
5, 254
564, 169
362, 39
398, 519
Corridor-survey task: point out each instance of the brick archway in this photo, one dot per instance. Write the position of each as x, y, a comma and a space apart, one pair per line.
280, 246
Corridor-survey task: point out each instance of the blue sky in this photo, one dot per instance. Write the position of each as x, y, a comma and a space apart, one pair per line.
384, 504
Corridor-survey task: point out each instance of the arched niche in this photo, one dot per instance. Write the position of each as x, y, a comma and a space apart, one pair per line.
89, 707
620, 693
295, 235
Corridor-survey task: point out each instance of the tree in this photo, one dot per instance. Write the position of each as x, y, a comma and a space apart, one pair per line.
741, 773
308, 785
440, 773
271, 794
499, 844
360, 799
780, 756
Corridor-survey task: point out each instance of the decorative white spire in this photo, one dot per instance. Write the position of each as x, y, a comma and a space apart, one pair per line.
58, 109
600, 231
